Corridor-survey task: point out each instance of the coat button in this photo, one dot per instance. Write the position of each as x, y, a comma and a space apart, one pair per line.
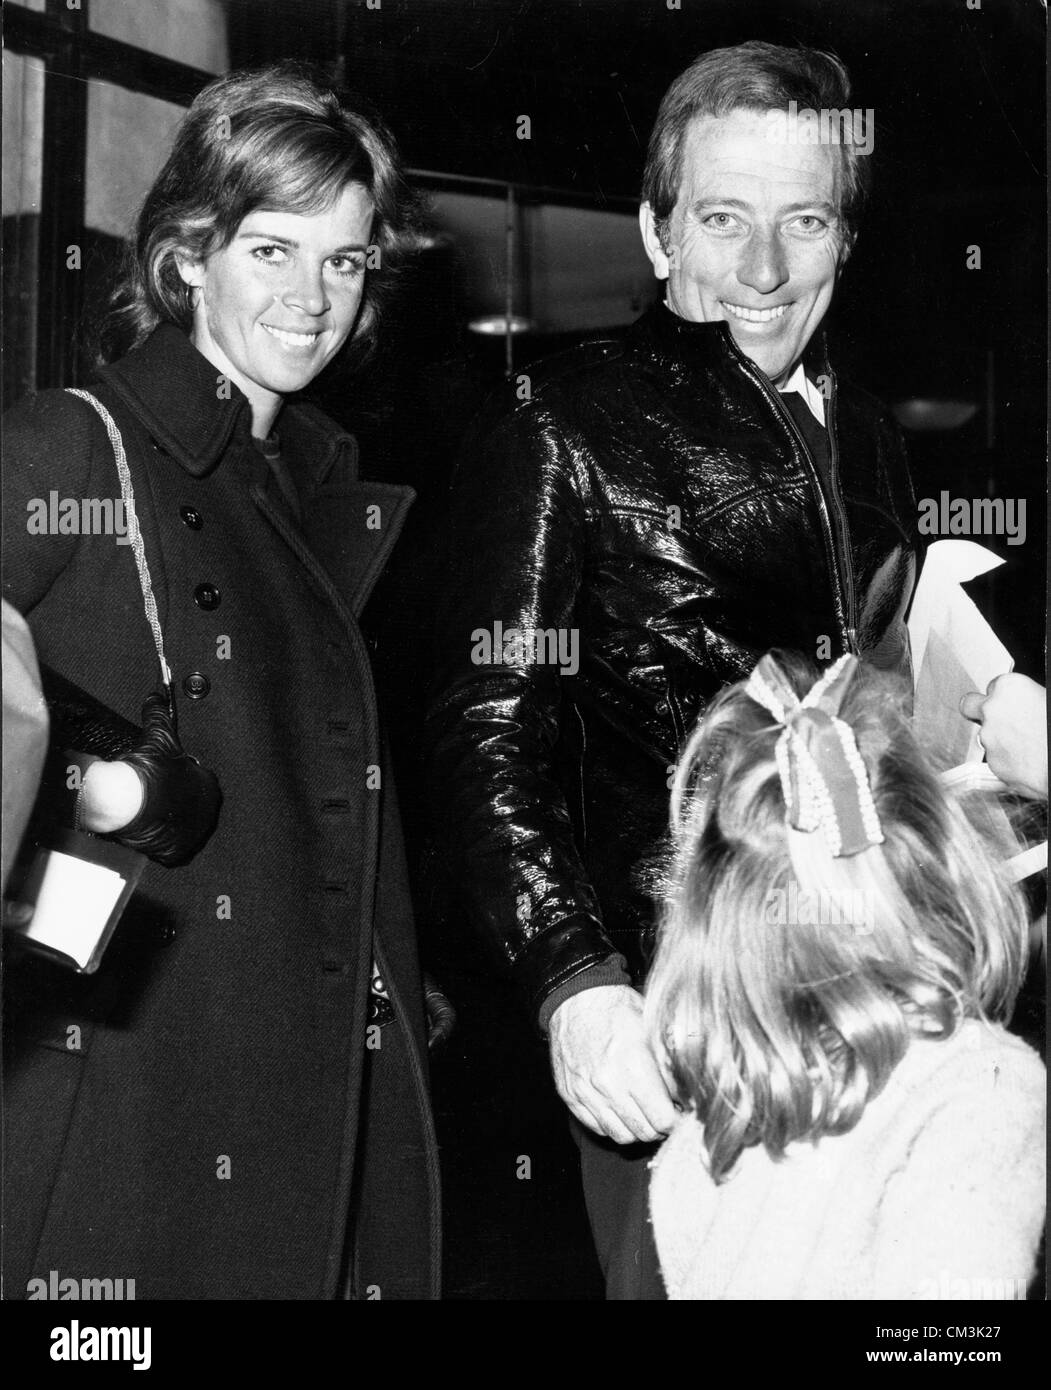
191, 518
206, 596
196, 686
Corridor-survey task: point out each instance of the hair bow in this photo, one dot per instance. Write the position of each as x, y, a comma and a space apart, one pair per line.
823, 776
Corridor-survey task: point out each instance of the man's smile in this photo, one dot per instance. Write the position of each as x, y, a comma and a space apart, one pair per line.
742, 312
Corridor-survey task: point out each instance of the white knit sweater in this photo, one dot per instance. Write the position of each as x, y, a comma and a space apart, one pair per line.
937, 1192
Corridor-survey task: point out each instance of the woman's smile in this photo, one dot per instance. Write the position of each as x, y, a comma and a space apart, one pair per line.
290, 339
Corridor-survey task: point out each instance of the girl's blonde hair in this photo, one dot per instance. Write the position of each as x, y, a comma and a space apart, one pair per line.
777, 1030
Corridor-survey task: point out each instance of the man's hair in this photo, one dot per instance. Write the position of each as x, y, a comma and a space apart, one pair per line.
779, 1026
276, 138
751, 76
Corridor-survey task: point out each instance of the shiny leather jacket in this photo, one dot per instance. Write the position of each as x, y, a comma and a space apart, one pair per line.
655, 498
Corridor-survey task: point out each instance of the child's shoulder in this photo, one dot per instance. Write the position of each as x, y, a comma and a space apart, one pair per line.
983, 1049
981, 1064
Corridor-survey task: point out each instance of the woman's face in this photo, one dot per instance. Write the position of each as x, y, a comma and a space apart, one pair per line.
278, 303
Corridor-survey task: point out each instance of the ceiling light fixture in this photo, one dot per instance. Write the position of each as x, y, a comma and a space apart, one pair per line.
508, 324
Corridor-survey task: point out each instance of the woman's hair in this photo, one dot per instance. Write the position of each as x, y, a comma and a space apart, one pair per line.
787, 983
751, 76
275, 138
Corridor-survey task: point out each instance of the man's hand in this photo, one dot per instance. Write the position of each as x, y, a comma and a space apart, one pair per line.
1013, 716
603, 1066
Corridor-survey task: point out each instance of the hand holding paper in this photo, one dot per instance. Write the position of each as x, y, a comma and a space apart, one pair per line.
956, 655
954, 650
1013, 719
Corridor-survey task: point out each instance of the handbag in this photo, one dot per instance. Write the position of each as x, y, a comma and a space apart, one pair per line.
76, 884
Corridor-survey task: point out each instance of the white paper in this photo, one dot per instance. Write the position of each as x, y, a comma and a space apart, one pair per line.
73, 905
954, 650
980, 777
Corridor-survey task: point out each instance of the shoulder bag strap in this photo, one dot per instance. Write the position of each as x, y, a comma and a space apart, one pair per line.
134, 534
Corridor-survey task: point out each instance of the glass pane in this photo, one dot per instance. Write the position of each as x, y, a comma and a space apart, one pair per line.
23, 154
576, 269
190, 31
23, 132
129, 136
589, 268
128, 139
476, 227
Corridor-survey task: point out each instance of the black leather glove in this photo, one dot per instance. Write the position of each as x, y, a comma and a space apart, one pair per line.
181, 799
441, 1016
82, 724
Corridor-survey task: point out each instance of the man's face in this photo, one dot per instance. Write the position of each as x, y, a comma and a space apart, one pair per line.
754, 239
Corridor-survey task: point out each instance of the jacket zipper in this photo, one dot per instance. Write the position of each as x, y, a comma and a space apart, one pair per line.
841, 517
837, 539
580, 780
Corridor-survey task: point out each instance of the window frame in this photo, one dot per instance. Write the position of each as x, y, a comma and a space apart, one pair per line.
74, 54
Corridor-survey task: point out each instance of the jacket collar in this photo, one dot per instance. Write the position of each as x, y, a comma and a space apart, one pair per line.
799, 383
174, 391
661, 334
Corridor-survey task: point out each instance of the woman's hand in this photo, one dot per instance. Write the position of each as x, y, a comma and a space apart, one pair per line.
181, 799
156, 799
136, 784
111, 795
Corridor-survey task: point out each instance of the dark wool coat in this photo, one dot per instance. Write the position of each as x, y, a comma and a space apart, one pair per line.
203, 1115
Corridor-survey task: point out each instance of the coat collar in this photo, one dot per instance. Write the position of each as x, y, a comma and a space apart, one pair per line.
350, 525
349, 529
669, 340
174, 390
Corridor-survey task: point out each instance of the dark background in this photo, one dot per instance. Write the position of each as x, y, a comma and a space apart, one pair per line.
959, 160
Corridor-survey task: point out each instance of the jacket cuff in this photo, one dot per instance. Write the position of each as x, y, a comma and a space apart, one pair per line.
611, 971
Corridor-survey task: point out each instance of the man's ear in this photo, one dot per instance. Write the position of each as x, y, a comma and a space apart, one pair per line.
652, 242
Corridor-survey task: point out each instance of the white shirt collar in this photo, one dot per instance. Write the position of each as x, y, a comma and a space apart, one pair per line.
799, 381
